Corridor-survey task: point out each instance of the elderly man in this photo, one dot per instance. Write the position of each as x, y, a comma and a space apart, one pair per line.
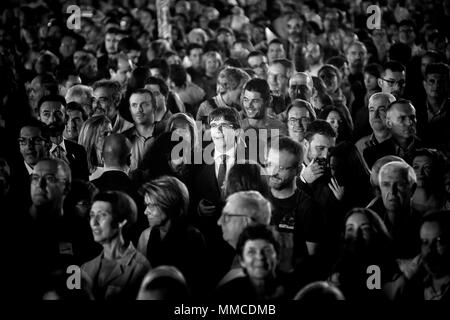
257, 61
397, 184
242, 209
82, 95
299, 115
378, 103
106, 101
401, 122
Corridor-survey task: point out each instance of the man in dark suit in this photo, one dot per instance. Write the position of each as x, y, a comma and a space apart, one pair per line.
51, 111
401, 121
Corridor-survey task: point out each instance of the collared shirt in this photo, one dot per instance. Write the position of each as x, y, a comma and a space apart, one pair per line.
231, 154
368, 141
63, 155
62, 144
28, 167
402, 152
440, 114
140, 145
121, 125
430, 293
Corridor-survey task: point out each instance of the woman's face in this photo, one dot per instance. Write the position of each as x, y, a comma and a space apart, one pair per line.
155, 215
358, 225
423, 167
370, 81
259, 259
334, 119
103, 228
212, 65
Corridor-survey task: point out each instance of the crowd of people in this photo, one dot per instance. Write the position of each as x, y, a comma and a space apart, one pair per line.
259, 150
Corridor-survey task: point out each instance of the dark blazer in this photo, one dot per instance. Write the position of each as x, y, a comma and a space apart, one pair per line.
76, 154
388, 147
115, 180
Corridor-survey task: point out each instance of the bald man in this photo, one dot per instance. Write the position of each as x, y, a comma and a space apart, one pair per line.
377, 106
116, 155
55, 237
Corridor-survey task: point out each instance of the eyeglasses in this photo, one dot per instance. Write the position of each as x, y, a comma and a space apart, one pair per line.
304, 120
392, 83
270, 165
226, 216
49, 178
33, 141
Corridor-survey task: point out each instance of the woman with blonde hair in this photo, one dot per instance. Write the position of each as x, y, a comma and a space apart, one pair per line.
92, 136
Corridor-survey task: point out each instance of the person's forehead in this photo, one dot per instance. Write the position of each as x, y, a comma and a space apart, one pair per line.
51, 105
298, 111
354, 48
102, 92
196, 51
430, 229
153, 87
298, 79
74, 114
435, 76
357, 219
46, 167
255, 59
402, 109
257, 244
393, 174
333, 114
123, 64
277, 68
293, 22
275, 46
30, 131
140, 97
394, 74
252, 94
321, 140
101, 206
379, 102
422, 159
69, 40
220, 120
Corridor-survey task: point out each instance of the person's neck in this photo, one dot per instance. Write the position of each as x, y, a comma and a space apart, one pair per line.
285, 193
440, 280
210, 74
403, 142
116, 167
114, 119
255, 122
263, 287
164, 229
54, 210
114, 249
397, 217
56, 140
435, 103
145, 130
224, 150
381, 135
160, 114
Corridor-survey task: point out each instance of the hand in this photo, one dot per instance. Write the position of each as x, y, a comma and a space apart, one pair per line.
206, 208
312, 172
338, 191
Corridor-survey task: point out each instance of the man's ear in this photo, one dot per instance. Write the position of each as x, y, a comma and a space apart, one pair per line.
388, 123
112, 73
123, 223
67, 187
380, 82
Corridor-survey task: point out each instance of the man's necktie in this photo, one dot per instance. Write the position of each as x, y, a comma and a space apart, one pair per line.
59, 153
222, 171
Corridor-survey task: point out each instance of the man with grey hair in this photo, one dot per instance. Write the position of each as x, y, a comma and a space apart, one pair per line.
377, 106
397, 185
401, 122
242, 209
83, 95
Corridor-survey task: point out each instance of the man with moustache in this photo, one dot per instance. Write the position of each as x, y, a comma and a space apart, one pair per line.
295, 214
51, 110
378, 103
257, 61
401, 122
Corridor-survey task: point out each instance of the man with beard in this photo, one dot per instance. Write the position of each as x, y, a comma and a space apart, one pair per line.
76, 116
279, 72
392, 79
378, 103
401, 121
51, 110
294, 212
314, 57
256, 99
42, 85
299, 115
257, 61
296, 35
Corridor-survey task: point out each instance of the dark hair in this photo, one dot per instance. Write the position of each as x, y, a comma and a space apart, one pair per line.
442, 217
400, 52
143, 91
255, 53
193, 46
327, 71
75, 106
35, 123
438, 68
122, 205
159, 82
244, 177
228, 114
113, 30
399, 101
178, 75
51, 97
257, 231
408, 23
337, 61
374, 69
275, 41
259, 85
439, 163
138, 78
344, 131
162, 65
319, 127
127, 44
394, 66
293, 147
300, 103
